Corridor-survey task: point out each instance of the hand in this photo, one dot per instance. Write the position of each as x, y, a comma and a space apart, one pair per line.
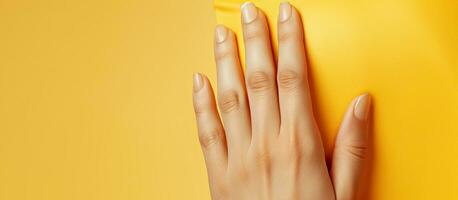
270, 146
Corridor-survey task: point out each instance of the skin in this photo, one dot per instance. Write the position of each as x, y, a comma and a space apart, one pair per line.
270, 145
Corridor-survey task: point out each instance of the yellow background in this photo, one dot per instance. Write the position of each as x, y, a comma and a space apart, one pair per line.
95, 96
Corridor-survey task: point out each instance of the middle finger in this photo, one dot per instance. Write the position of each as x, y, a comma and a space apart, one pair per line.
260, 73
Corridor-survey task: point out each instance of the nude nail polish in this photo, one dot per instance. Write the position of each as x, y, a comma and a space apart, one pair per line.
198, 82
220, 33
362, 106
284, 12
249, 12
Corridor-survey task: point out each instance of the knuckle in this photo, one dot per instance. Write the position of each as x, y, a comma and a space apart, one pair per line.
294, 155
210, 138
223, 54
221, 190
297, 152
304, 150
254, 32
290, 155
229, 101
239, 175
291, 32
285, 36
357, 151
262, 157
259, 81
310, 152
288, 79
200, 106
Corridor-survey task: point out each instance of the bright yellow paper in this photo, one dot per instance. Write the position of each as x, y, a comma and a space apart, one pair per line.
95, 99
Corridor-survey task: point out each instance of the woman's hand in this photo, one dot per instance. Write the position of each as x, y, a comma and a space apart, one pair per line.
270, 145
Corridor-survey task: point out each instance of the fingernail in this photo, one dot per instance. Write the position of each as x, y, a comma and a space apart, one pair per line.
284, 11
220, 33
198, 82
249, 12
362, 106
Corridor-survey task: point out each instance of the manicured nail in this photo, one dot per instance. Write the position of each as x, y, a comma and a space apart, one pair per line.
220, 33
198, 82
249, 12
362, 106
284, 12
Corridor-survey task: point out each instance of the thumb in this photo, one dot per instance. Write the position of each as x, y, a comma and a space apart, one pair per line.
350, 149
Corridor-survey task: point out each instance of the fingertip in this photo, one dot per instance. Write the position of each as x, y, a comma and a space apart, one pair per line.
284, 12
203, 97
249, 12
197, 82
362, 107
354, 122
220, 33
